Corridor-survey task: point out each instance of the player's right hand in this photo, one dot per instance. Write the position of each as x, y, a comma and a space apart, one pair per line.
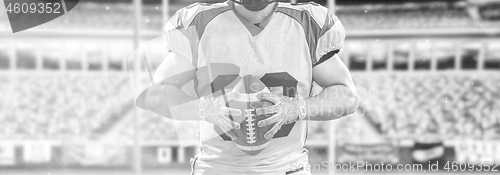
215, 111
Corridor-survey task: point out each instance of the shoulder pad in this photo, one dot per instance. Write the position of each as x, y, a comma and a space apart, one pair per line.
316, 11
188, 13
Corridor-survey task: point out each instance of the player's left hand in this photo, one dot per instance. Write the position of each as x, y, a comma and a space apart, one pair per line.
285, 109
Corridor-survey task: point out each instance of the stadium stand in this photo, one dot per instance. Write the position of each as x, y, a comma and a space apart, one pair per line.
451, 104
53, 106
427, 16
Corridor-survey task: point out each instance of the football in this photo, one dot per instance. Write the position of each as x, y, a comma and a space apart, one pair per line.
250, 137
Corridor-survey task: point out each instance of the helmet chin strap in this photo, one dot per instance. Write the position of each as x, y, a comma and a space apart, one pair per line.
254, 5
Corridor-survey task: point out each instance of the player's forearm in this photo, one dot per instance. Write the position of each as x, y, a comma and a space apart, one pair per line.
171, 102
332, 103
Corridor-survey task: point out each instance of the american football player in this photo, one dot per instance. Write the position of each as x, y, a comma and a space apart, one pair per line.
290, 47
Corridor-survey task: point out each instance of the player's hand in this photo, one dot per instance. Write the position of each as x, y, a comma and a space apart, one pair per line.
285, 109
215, 111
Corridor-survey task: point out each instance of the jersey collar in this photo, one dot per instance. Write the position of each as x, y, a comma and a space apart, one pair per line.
252, 28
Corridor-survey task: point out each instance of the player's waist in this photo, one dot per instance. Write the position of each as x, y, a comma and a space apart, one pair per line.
275, 150
251, 166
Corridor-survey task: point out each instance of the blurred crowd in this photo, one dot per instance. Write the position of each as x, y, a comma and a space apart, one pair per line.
449, 104
436, 17
71, 106
84, 106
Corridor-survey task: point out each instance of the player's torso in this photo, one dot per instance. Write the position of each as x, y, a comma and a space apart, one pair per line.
279, 55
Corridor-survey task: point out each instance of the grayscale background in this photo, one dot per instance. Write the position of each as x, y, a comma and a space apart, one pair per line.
428, 74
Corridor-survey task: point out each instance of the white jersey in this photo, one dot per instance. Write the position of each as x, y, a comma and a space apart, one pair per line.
283, 54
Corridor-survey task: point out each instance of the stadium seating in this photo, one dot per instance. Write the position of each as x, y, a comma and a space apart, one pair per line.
54, 106
425, 18
454, 104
